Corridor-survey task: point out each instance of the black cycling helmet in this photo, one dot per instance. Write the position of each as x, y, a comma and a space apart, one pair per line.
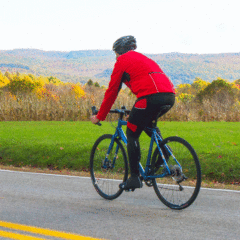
125, 44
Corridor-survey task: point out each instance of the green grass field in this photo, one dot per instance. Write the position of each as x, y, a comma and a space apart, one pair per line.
59, 145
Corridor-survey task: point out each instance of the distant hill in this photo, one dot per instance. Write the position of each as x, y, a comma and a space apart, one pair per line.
88, 53
12, 65
80, 66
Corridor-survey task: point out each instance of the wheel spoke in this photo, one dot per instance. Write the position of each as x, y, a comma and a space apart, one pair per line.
179, 189
108, 168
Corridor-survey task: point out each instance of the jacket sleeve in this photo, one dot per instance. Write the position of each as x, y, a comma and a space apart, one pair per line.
112, 92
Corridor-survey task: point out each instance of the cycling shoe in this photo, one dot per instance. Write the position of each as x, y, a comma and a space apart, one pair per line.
131, 183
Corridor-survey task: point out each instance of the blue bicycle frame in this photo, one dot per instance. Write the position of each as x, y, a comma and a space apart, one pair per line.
155, 138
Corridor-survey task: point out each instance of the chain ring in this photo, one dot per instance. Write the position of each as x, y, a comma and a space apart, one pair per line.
149, 183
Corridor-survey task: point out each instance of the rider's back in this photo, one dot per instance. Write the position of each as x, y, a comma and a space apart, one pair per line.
142, 75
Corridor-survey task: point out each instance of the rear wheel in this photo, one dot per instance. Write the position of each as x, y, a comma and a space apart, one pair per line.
108, 166
179, 189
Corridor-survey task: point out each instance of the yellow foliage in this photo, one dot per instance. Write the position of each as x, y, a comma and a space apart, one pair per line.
77, 90
43, 93
13, 97
54, 81
3, 80
236, 86
184, 85
185, 97
40, 92
199, 84
17, 83
42, 80
23, 83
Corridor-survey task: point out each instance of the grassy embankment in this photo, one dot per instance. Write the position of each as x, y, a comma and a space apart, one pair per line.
67, 145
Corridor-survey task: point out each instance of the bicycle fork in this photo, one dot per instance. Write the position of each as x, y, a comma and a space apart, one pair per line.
108, 163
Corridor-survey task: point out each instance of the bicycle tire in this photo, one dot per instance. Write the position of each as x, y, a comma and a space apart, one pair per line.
168, 190
106, 181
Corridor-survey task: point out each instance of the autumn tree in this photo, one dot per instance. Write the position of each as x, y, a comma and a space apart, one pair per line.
3, 80
199, 84
89, 82
219, 89
96, 84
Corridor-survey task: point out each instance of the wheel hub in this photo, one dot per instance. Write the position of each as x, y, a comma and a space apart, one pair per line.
107, 165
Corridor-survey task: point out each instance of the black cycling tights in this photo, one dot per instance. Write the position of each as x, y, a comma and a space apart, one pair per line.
144, 112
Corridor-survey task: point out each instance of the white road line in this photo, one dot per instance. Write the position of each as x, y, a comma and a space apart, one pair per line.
70, 176
222, 190
45, 174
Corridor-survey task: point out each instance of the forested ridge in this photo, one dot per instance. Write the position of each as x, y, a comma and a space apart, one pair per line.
80, 66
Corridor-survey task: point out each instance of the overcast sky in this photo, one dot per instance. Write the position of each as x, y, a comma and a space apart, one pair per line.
160, 26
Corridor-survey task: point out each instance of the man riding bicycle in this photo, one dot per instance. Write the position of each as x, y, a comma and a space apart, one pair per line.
153, 90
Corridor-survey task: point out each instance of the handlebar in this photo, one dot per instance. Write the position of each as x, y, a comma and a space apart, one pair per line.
123, 111
94, 110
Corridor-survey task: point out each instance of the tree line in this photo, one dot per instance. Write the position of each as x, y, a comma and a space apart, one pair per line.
30, 97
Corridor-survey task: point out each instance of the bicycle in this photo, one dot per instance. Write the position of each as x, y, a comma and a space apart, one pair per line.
173, 170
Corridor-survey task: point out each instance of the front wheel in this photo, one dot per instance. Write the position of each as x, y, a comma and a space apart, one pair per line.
180, 188
108, 166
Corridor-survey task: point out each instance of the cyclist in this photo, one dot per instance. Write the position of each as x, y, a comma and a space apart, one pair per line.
153, 90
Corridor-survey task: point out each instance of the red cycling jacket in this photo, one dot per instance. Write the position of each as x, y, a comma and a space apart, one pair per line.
141, 74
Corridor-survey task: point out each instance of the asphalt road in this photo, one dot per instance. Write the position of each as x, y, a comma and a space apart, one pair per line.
71, 204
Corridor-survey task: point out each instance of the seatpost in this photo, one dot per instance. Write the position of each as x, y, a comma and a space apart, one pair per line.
154, 123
